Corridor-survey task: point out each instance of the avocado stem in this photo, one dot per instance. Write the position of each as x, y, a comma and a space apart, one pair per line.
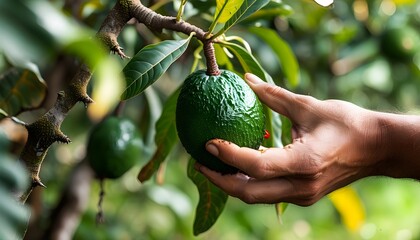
100, 214
212, 67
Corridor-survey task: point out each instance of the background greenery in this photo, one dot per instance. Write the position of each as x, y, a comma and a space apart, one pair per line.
340, 56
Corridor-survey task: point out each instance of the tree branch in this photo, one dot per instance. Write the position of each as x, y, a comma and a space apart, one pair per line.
157, 22
46, 130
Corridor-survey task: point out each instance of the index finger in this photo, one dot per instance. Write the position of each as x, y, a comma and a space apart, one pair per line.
281, 100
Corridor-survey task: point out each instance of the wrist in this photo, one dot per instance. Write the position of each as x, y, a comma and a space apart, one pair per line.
399, 138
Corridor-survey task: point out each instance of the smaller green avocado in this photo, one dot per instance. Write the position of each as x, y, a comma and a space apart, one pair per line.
114, 146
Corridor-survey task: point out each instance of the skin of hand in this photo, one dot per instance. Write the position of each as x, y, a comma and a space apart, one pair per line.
334, 144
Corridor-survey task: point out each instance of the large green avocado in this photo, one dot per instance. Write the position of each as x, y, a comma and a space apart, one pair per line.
221, 106
114, 146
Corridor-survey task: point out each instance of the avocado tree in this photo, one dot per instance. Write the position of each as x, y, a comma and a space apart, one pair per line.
156, 41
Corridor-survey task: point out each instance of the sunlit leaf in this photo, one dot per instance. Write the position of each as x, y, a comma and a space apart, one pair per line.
212, 201
283, 52
150, 63
225, 9
165, 138
246, 9
21, 90
350, 207
107, 86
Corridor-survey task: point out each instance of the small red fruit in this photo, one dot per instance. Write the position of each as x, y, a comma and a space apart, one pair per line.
266, 134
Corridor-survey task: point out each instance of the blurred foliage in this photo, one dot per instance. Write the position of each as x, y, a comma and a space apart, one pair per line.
338, 50
21, 90
14, 216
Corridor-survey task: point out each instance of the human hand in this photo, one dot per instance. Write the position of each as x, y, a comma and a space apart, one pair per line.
334, 144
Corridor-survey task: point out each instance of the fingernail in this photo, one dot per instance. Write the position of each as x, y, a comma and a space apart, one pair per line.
211, 148
253, 79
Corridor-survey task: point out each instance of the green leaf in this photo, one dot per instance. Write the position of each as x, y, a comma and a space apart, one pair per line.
14, 216
273, 125
248, 62
247, 8
211, 204
286, 129
283, 51
150, 63
25, 38
32, 34
150, 115
222, 59
165, 138
271, 10
225, 9
21, 90
280, 209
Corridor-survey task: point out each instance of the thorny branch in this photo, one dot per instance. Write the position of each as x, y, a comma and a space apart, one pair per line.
46, 130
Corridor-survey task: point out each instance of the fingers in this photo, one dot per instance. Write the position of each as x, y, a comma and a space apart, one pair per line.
275, 190
279, 99
295, 159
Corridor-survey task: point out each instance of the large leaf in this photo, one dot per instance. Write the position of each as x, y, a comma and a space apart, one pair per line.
247, 8
283, 51
21, 89
211, 203
150, 63
165, 138
225, 9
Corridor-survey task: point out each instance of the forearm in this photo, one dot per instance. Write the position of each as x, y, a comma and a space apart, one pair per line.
401, 137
